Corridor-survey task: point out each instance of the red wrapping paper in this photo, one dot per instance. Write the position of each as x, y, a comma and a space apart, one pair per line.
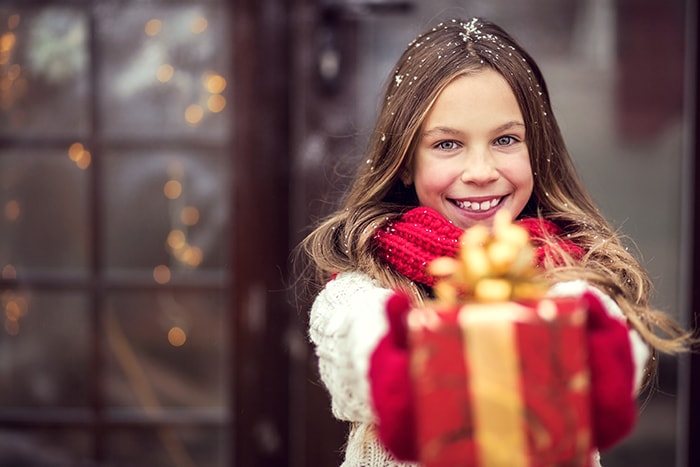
502, 384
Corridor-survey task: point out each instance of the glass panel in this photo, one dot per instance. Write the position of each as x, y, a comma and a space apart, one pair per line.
43, 223
167, 446
44, 350
166, 350
43, 72
164, 71
166, 213
55, 448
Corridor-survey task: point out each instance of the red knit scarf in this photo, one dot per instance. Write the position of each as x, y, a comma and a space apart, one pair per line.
421, 235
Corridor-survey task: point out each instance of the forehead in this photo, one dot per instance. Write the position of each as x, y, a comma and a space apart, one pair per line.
484, 95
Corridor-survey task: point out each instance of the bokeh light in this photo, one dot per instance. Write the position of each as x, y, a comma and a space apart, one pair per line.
153, 27
172, 189
177, 336
161, 274
189, 215
199, 25
216, 103
194, 114
165, 73
214, 83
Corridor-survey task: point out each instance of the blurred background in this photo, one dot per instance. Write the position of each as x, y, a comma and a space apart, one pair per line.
159, 160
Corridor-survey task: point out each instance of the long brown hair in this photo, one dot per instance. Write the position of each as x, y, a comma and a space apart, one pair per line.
343, 241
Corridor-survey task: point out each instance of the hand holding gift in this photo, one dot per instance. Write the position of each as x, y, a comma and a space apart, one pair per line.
390, 383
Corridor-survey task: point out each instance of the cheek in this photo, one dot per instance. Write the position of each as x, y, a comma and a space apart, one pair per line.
431, 180
527, 182
520, 175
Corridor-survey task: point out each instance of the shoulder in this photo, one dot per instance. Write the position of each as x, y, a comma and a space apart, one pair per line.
349, 297
350, 287
350, 280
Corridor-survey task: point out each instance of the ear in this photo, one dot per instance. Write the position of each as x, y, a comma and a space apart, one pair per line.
407, 177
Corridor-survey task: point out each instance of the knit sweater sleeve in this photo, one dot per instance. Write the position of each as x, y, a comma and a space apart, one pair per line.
640, 350
346, 323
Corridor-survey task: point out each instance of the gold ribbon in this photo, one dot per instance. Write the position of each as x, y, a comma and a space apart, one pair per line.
490, 351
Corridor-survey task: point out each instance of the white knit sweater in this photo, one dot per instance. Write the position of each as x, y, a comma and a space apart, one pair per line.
346, 323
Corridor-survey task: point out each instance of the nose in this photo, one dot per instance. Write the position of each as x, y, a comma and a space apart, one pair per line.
480, 169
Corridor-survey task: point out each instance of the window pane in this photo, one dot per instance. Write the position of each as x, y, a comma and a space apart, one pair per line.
44, 352
166, 350
166, 209
43, 72
45, 448
43, 225
163, 71
167, 446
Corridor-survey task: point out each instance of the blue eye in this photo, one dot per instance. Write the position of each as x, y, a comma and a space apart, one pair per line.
447, 145
505, 140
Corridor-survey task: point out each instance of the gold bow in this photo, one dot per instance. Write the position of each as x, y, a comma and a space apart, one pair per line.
491, 266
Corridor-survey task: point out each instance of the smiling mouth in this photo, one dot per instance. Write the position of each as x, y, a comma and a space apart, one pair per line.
477, 206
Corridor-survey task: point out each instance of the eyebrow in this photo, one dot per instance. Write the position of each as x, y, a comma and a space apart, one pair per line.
453, 131
509, 125
441, 130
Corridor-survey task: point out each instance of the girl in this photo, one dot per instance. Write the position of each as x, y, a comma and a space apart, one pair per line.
465, 129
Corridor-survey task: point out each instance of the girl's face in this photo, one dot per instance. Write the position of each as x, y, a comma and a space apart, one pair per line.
472, 158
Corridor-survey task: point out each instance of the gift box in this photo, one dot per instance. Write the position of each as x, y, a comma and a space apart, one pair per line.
501, 384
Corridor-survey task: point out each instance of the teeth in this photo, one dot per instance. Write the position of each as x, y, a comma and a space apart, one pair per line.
483, 206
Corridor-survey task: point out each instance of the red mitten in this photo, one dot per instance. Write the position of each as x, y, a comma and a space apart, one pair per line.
390, 384
614, 409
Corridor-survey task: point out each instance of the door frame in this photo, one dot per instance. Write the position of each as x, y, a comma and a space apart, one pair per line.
260, 227
688, 447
